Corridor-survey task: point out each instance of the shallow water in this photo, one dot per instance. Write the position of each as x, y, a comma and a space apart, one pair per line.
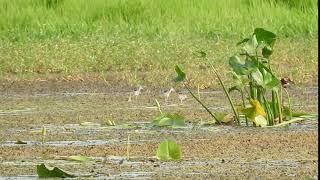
210, 152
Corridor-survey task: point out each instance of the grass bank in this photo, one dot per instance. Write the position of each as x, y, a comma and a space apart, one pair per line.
43, 19
140, 41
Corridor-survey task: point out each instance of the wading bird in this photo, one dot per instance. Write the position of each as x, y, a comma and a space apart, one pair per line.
137, 92
167, 94
182, 97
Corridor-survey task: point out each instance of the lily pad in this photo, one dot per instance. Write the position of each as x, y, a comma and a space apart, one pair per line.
80, 158
44, 172
168, 150
89, 124
172, 120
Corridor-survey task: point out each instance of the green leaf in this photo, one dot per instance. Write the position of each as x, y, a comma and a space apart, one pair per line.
200, 54
255, 110
44, 172
89, 124
238, 65
240, 81
243, 41
258, 77
233, 88
168, 150
264, 36
224, 118
181, 75
20, 142
80, 158
251, 46
266, 51
260, 121
286, 112
172, 120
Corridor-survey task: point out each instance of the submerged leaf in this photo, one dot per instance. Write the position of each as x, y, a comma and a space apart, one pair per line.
44, 172
173, 120
181, 75
110, 122
89, 124
168, 150
20, 142
80, 158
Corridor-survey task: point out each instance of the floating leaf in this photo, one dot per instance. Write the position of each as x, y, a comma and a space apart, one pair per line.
44, 172
288, 122
224, 118
80, 158
168, 150
260, 121
20, 142
89, 124
181, 75
110, 122
173, 120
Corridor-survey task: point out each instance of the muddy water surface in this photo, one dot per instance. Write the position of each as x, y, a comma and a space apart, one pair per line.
208, 152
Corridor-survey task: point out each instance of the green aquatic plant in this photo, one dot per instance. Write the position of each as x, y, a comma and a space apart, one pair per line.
44, 172
254, 79
168, 150
169, 120
183, 78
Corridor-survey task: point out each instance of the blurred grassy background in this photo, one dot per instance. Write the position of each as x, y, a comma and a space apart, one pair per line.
144, 39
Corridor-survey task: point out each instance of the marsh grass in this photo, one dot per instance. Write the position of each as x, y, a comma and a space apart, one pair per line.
147, 62
45, 19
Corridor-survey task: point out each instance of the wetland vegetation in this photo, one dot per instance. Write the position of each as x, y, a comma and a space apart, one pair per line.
89, 89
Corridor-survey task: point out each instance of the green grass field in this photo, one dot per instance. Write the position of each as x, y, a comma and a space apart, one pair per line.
143, 39
40, 19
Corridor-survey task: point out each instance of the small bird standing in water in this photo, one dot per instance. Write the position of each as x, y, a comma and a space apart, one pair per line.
167, 94
182, 97
137, 92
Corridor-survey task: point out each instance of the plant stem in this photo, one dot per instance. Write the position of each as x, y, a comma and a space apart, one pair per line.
158, 105
244, 106
289, 104
128, 147
205, 107
227, 94
269, 112
279, 107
